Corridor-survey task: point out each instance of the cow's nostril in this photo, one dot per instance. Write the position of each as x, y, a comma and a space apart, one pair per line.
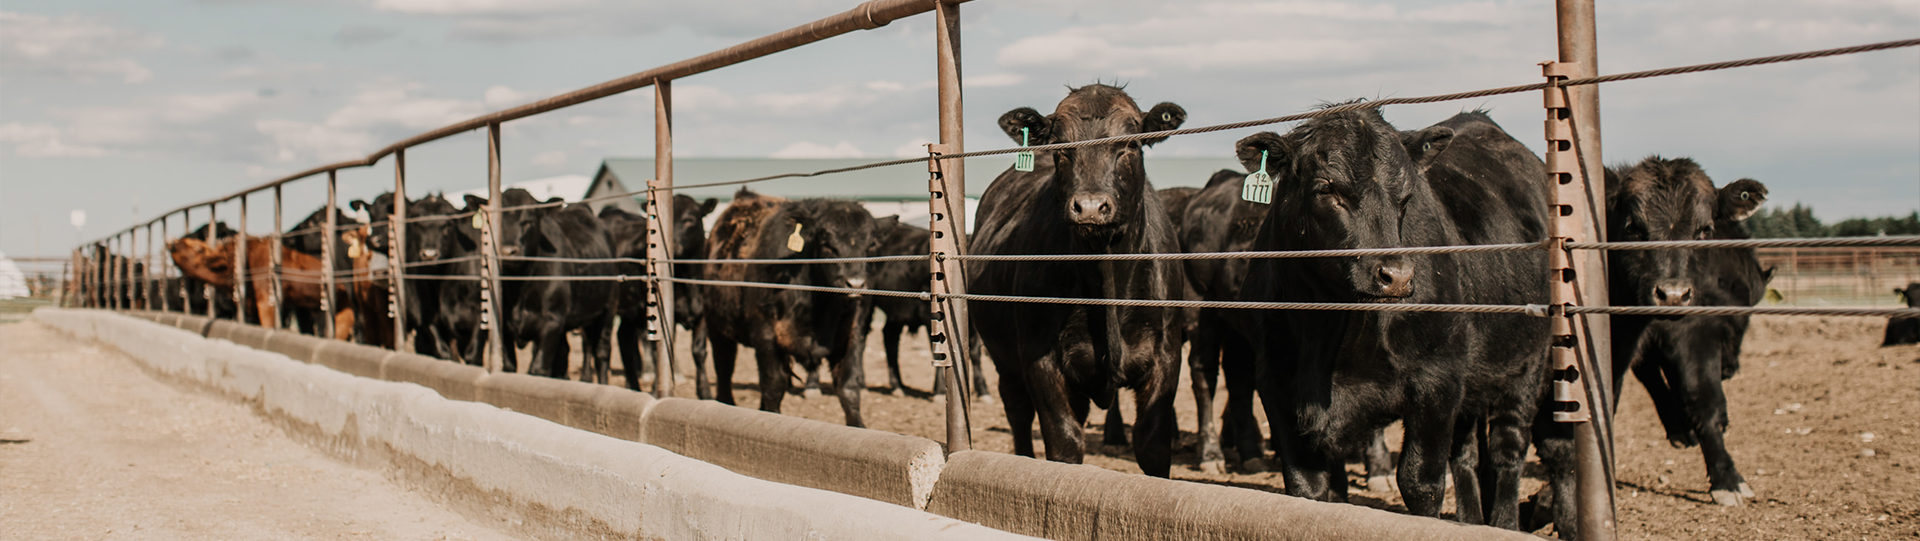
1106, 209
1076, 207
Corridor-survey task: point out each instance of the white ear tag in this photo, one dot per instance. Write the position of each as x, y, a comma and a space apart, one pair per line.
1258, 187
796, 242
480, 219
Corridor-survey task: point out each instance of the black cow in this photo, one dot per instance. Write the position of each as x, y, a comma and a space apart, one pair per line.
1330, 379
1683, 360
1218, 220
305, 237
785, 326
443, 314
906, 314
1054, 358
1904, 330
628, 234
546, 310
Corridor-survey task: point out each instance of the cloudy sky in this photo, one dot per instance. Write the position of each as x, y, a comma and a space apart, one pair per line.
109, 106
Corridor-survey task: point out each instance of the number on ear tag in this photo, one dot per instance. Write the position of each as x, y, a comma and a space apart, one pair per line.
1258, 187
1023, 161
796, 242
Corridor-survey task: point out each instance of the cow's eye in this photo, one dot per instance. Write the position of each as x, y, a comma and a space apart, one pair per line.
1322, 186
1703, 233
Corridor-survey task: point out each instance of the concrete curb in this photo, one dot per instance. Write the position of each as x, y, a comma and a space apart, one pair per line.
888, 467
1075, 502
536, 478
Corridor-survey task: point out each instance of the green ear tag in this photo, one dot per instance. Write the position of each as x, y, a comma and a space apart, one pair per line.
795, 242
1023, 161
1258, 187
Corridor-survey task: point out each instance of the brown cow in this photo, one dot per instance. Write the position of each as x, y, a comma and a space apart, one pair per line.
214, 264
370, 297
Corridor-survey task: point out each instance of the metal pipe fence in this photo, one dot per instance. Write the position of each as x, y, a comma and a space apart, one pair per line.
1575, 242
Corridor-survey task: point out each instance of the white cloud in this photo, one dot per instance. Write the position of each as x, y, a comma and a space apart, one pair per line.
381, 112
73, 47
993, 80
180, 122
912, 149
43, 141
551, 159
532, 19
809, 149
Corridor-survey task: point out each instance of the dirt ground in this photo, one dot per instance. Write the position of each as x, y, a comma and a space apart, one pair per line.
1813, 395
91, 447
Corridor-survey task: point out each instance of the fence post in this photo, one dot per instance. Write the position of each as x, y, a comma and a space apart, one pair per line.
212, 235
116, 271
492, 296
240, 282
148, 284
328, 236
165, 280
275, 280
1584, 342
660, 243
947, 206
396, 252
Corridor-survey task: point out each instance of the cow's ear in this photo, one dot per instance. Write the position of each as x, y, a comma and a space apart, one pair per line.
1424, 144
1162, 117
358, 205
706, 207
1740, 199
1277, 148
1039, 128
474, 201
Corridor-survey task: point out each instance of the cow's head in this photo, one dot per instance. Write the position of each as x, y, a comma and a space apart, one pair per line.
1345, 181
508, 234
1101, 184
378, 212
211, 264
1909, 295
690, 226
1739, 200
1659, 199
433, 235
828, 228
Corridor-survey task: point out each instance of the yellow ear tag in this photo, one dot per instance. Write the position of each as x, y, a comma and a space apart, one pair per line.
480, 219
796, 242
353, 248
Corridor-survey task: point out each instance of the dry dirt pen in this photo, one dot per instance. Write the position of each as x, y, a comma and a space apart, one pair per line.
1808, 391
586, 481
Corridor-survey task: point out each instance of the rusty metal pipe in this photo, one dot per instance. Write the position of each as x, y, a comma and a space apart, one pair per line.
947, 204
660, 222
1593, 440
327, 238
867, 16
396, 253
491, 294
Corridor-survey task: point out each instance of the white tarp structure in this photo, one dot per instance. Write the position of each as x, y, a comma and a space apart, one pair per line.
13, 283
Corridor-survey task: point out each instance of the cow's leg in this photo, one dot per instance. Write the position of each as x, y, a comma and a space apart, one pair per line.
1203, 367
1465, 463
773, 376
1114, 433
633, 362
1505, 457
1155, 423
1059, 426
890, 341
596, 338
725, 352
1236, 366
703, 387
1015, 400
1379, 463
343, 321
849, 380
1696, 373
1666, 402
974, 352
1424, 455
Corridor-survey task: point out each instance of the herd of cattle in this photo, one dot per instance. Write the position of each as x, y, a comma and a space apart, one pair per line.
1472, 390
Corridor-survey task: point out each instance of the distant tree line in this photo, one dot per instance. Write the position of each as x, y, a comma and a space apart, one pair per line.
1798, 221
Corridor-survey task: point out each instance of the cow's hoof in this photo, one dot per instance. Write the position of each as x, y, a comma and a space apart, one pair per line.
1728, 498
1254, 465
1745, 491
1380, 483
810, 393
1215, 466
